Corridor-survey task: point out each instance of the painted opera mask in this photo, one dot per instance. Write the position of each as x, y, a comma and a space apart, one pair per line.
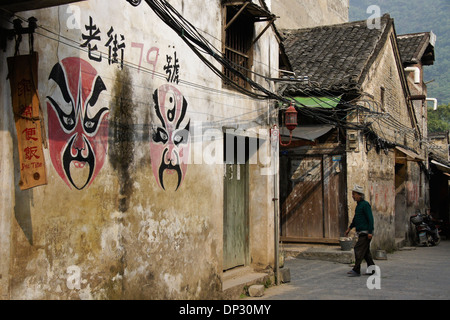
77, 122
170, 137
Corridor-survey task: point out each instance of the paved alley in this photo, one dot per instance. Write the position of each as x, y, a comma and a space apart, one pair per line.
418, 273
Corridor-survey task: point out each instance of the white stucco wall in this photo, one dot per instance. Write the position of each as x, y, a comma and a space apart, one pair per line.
122, 236
298, 14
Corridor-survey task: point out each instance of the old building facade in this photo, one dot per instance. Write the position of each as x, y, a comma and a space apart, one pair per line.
157, 176
139, 200
357, 99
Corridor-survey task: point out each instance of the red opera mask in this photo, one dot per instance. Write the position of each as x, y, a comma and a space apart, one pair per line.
77, 122
170, 142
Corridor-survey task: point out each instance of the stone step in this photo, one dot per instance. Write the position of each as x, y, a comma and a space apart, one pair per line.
325, 253
399, 243
235, 281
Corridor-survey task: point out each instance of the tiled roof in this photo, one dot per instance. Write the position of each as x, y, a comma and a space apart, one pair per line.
335, 57
414, 46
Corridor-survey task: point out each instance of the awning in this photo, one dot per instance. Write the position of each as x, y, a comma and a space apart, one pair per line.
410, 155
307, 132
250, 9
319, 102
442, 167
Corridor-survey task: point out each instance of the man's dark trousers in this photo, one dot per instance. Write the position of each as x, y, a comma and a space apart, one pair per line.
362, 252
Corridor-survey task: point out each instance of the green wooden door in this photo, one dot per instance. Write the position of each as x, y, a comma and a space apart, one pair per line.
235, 224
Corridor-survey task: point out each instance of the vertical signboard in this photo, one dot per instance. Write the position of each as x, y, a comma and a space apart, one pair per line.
25, 103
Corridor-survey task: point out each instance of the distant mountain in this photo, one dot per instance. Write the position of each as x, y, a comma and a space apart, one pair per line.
412, 16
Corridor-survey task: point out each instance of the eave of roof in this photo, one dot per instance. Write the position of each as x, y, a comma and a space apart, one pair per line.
417, 48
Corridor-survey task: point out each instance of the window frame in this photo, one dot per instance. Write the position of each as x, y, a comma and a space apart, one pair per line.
237, 15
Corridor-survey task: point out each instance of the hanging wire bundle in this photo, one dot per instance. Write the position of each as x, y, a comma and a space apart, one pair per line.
373, 119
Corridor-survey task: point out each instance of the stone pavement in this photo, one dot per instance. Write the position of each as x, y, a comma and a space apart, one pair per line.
417, 273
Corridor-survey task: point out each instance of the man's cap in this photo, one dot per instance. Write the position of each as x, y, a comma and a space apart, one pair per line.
358, 189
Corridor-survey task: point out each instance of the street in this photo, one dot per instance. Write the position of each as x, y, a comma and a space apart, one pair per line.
411, 274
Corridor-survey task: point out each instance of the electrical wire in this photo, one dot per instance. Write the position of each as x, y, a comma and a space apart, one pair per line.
193, 39
201, 46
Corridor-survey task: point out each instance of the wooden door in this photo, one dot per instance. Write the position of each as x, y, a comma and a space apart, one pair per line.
235, 224
313, 209
334, 196
303, 209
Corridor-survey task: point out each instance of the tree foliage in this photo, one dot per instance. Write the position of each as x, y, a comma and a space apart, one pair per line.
412, 16
439, 120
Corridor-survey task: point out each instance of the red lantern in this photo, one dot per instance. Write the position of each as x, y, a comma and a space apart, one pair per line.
291, 118
290, 122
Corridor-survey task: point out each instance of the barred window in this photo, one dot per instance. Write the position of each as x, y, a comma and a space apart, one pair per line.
239, 37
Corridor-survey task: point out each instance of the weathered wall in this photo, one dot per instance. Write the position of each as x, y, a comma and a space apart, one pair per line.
111, 227
415, 192
385, 73
6, 181
420, 106
375, 169
381, 195
297, 14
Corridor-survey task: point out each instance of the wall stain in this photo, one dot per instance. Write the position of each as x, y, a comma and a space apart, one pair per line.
121, 135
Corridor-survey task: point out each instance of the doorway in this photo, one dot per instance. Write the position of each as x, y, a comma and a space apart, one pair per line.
236, 209
235, 222
313, 195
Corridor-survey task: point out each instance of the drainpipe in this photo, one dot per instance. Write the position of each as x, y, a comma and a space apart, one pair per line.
277, 227
276, 195
274, 150
435, 103
416, 71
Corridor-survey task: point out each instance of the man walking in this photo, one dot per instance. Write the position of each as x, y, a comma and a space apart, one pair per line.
363, 223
